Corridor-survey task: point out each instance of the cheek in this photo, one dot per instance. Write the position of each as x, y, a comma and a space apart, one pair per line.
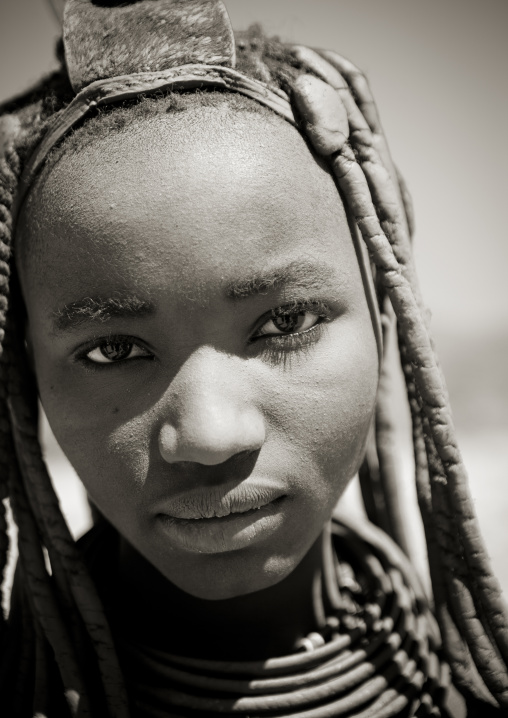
111, 455
324, 408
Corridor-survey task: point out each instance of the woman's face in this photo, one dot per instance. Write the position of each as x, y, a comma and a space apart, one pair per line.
203, 347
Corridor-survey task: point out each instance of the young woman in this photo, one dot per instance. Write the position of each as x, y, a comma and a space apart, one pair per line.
204, 246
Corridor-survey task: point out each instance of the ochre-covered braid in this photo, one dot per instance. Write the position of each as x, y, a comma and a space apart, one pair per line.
48, 598
44, 603
21, 125
9, 173
78, 586
455, 648
387, 442
382, 465
473, 594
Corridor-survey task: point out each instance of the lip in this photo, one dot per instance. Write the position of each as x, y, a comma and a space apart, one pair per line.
225, 519
221, 500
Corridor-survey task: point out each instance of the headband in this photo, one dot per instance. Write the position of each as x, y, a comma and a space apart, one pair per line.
106, 47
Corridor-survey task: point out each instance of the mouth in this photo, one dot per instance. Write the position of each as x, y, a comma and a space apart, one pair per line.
203, 522
222, 501
220, 518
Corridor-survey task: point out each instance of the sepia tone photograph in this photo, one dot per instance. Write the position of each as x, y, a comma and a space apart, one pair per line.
253, 351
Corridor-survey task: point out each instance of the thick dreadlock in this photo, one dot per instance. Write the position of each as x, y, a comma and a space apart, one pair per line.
58, 612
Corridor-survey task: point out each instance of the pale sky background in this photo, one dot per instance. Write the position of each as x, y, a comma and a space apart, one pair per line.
438, 70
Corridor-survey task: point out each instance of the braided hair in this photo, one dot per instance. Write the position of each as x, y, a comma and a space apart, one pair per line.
57, 611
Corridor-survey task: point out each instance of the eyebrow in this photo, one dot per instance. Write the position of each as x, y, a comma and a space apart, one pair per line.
97, 309
306, 276
297, 275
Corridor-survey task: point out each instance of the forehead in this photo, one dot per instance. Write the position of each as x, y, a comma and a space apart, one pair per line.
181, 196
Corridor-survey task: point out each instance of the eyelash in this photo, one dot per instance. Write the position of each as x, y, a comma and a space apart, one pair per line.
276, 346
82, 355
278, 349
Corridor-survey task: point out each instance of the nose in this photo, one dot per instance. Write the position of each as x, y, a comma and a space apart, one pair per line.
210, 417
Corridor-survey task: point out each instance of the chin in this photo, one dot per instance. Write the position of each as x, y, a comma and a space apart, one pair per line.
223, 577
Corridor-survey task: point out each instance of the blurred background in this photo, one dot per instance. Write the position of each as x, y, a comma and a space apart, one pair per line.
438, 70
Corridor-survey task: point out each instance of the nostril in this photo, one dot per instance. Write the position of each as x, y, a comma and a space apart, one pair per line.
210, 443
168, 441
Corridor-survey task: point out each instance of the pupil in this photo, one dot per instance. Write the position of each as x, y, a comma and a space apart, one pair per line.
287, 322
116, 350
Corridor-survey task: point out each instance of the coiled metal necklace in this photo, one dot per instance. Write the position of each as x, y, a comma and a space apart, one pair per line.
377, 653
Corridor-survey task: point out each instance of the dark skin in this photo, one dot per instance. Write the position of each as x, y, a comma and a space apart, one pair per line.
271, 621
205, 356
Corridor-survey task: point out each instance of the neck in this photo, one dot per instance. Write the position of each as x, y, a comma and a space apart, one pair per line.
256, 626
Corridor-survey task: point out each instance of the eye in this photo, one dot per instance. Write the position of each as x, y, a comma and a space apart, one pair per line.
289, 321
116, 350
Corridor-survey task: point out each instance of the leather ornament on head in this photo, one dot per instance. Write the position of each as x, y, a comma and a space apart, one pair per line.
116, 52
98, 37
